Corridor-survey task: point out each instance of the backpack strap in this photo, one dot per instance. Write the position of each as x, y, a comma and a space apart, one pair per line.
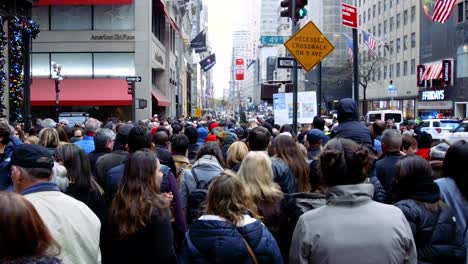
251, 252
195, 177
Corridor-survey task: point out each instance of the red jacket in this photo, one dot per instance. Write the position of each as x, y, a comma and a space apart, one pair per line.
425, 153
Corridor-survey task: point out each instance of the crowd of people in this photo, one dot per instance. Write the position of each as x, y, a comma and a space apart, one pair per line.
216, 191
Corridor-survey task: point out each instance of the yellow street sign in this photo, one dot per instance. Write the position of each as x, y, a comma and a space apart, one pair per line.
198, 112
309, 46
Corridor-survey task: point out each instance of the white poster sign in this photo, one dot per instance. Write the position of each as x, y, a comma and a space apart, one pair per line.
283, 107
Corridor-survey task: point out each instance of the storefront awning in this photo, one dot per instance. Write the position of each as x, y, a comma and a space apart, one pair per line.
433, 72
161, 4
81, 92
84, 2
160, 98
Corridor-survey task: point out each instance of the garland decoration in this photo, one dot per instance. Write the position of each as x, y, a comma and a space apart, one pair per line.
3, 76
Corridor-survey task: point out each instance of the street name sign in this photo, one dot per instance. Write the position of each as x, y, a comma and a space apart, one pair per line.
349, 16
285, 63
272, 40
133, 78
309, 46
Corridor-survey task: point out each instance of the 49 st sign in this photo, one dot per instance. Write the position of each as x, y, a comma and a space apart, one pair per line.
309, 46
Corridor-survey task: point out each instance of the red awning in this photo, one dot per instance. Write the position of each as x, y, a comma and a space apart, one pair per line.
84, 2
432, 72
160, 97
161, 4
81, 92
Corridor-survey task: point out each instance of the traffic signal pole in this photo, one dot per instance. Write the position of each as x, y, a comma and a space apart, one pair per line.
355, 67
294, 71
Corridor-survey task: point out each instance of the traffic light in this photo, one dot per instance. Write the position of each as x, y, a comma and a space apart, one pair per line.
300, 10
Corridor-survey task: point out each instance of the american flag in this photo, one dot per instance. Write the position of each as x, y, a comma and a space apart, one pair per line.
443, 9
370, 42
349, 41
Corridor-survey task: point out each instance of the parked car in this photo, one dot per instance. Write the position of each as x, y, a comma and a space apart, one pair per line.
458, 133
384, 115
438, 127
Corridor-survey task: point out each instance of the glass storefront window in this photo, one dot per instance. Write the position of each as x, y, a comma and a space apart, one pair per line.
114, 17
114, 64
462, 61
74, 64
40, 65
40, 14
71, 18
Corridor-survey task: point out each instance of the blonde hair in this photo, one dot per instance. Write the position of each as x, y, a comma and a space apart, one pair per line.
32, 140
48, 137
256, 174
236, 153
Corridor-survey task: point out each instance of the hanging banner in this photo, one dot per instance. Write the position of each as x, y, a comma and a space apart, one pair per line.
447, 72
420, 75
283, 107
239, 69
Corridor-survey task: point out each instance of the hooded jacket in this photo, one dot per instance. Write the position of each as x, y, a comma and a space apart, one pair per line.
349, 126
211, 239
351, 225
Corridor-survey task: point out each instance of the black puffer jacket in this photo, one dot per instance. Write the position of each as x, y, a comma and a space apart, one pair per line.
436, 235
349, 126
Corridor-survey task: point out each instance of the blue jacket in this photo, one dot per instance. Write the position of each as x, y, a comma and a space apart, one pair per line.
437, 237
218, 241
5, 173
283, 175
385, 171
87, 144
349, 127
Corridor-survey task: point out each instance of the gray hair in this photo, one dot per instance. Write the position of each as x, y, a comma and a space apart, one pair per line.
103, 136
48, 123
392, 140
92, 125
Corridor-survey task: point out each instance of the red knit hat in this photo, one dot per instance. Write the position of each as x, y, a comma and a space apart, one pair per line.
213, 125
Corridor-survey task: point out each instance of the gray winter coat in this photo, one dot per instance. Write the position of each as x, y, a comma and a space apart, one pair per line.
352, 228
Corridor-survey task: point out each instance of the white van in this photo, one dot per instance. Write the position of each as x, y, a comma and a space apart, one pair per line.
384, 115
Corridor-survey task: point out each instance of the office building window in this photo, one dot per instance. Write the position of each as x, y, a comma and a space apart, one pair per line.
390, 73
391, 47
405, 17
374, 10
413, 14
398, 69
373, 75
40, 64
379, 74
390, 4
385, 5
373, 30
405, 68
368, 14
413, 39
385, 27
398, 2
398, 45
71, 18
379, 31
40, 14
413, 66
466, 10
379, 7
385, 51
462, 62
360, 19
405, 42
379, 53
398, 20
114, 17
158, 23
460, 12
364, 17
359, 2
391, 24
385, 72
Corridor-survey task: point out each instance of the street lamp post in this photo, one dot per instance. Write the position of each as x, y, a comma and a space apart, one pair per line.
57, 76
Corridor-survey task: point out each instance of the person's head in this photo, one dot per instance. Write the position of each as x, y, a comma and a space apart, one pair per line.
78, 132
319, 123
48, 123
236, 153
315, 137
22, 231
139, 138
347, 110
75, 160
30, 164
256, 174
378, 128
211, 149
179, 144
161, 138
391, 141
227, 198
121, 139
344, 162
63, 137
92, 125
259, 139
390, 124
286, 149
411, 124
4, 134
289, 129
409, 145
176, 128
453, 167
31, 140
138, 195
192, 134
48, 137
425, 140
104, 139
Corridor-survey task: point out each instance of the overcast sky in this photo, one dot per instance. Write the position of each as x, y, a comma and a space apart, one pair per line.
222, 19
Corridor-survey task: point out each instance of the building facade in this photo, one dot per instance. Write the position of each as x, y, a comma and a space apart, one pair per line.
99, 45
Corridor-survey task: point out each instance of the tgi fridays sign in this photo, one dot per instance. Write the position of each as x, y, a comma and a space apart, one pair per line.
447, 72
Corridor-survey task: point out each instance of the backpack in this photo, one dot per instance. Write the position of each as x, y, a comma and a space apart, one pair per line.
292, 207
195, 199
